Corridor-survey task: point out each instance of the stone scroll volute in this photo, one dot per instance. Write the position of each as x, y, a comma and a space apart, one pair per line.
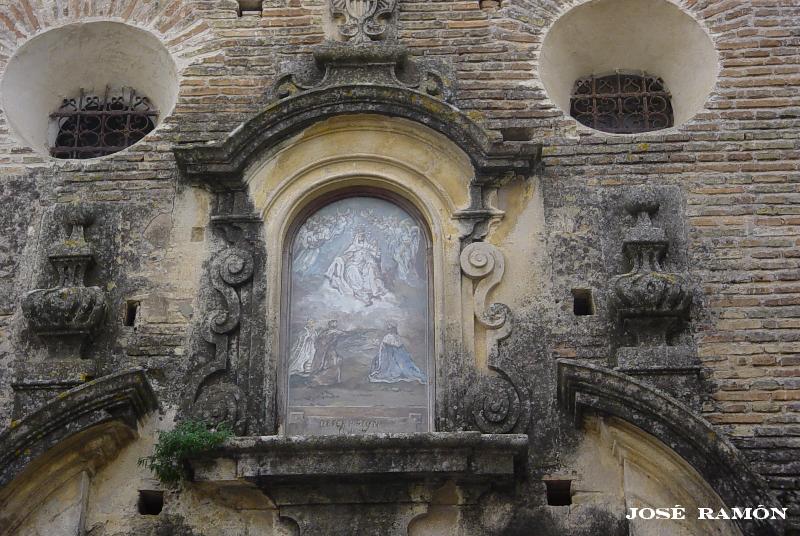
497, 402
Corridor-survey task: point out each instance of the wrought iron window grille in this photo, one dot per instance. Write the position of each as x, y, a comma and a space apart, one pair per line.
622, 103
97, 125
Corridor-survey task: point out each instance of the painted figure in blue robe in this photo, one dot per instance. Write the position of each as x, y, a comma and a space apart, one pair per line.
393, 363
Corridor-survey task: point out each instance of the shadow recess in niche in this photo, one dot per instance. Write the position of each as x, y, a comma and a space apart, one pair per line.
87, 57
601, 37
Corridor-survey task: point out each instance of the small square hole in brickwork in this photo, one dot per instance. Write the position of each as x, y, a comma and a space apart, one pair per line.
151, 502
559, 492
250, 8
582, 304
131, 311
517, 134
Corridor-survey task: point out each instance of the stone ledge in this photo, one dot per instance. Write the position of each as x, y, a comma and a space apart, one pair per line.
52, 373
461, 456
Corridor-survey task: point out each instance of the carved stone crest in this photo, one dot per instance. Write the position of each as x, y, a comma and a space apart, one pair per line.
362, 20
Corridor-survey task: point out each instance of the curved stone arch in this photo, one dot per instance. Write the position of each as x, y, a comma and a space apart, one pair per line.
584, 388
222, 164
327, 165
284, 184
77, 432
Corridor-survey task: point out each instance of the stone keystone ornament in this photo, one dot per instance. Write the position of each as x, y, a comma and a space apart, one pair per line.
67, 313
362, 18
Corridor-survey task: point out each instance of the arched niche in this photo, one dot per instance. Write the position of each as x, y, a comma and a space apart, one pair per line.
601, 37
390, 157
364, 131
617, 467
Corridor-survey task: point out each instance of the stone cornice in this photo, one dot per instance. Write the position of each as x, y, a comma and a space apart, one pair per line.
462, 456
220, 166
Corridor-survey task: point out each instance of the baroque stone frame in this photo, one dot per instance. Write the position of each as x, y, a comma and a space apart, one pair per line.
234, 366
244, 288
283, 193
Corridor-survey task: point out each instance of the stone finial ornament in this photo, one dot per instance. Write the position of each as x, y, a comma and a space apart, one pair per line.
66, 314
362, 21
497, 404
649, 300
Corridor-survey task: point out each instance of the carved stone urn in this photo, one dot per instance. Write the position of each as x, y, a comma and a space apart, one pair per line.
67, 313
648, 299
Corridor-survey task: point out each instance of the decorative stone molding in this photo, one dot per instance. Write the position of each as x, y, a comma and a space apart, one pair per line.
362, 21
215, 393
484, 263
266, 459
498, 403
68, 313
124, 396
652, 304
587, 388
347, 80
356, 77
380, 64
306, 476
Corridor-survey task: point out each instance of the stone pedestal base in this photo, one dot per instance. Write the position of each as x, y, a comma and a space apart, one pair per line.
673, 369
36, 382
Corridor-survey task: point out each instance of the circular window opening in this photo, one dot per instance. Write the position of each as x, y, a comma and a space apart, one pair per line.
628, 66
88, 90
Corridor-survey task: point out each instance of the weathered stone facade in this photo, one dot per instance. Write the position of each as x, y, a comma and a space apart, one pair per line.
147, 286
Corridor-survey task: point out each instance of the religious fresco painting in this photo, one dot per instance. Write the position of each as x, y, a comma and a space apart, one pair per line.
359, 347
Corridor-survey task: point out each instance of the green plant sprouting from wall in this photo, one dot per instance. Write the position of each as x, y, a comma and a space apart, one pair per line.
176, 446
